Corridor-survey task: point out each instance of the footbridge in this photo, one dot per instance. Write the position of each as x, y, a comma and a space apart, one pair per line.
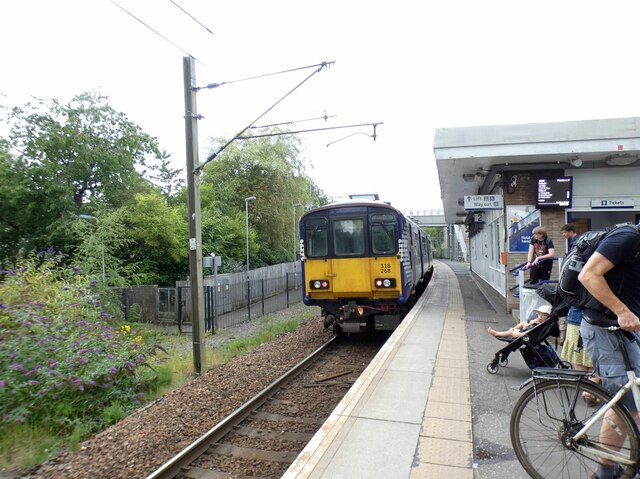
452, 242
426, 217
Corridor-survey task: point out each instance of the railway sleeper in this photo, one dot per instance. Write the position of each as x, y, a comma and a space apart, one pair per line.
252, 453
200, 473
260, 433
267, 416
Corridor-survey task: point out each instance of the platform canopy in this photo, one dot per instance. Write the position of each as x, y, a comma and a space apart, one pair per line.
469, 158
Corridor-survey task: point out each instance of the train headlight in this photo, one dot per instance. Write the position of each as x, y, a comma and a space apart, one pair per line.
385, 283
319, 284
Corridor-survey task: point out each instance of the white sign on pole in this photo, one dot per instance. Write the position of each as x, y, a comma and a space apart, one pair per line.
483, 202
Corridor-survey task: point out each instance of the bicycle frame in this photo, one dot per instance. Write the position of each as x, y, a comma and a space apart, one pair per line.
633, 385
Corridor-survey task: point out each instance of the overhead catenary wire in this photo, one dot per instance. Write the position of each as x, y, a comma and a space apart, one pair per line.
152, 29
239, 134
265, 135
192, 17
325, 118
351, 135
216, 85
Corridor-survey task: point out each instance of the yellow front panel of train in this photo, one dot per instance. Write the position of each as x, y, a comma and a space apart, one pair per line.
353, 277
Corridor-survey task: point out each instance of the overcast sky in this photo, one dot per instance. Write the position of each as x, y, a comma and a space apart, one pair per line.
413, 65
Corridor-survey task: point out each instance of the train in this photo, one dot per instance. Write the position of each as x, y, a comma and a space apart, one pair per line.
364, 263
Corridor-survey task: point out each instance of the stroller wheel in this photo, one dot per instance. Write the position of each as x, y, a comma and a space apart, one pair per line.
492, 368
504, 362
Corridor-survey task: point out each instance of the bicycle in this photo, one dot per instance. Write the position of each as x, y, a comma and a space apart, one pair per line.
555, 425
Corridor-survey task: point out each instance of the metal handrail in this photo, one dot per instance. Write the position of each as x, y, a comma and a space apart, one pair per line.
521, 265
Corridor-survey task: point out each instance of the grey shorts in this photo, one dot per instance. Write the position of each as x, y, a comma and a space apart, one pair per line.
604, 349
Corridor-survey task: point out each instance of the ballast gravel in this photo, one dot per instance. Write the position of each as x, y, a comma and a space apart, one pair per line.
142, 442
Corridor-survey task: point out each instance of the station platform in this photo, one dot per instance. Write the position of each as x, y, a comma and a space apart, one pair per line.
410, 414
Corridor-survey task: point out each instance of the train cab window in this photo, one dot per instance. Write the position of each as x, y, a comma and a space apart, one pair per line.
383, 233
348, 237
316, 242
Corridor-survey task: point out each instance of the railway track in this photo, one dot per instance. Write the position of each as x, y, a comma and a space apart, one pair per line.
264, 436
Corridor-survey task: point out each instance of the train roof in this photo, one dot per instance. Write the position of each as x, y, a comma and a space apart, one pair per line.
350, 203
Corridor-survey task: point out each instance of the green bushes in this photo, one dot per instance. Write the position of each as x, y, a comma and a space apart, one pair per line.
64, 360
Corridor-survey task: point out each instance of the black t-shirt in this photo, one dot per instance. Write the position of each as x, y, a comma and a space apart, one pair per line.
624, 279
540, 248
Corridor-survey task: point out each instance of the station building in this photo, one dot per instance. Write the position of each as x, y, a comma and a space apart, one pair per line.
501, 181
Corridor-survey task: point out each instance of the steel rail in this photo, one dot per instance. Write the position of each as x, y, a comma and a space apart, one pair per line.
174, 466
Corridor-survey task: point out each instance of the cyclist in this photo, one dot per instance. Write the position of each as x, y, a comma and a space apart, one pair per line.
612, 276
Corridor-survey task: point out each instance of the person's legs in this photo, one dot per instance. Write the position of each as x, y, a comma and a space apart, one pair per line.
534, 275
545, 274
604, 350
500, 334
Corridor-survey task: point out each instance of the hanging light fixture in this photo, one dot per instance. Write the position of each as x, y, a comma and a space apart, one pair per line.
621, 160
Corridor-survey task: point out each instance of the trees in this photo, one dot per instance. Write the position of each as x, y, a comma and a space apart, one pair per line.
158, 234
70, 155
270, 169
61, 161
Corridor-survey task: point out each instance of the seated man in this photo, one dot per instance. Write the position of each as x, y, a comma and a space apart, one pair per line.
520, 329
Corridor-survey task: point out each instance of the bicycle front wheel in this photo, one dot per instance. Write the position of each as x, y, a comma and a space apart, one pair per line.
547, 417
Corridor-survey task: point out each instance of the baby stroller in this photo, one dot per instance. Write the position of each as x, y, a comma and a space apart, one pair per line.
534, 346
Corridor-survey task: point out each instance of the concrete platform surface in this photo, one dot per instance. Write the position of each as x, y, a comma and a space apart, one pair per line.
426, 407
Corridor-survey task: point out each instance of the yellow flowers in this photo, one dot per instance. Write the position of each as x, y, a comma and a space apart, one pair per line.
126, 329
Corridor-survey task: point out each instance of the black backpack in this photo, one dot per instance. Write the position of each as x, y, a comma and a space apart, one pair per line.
570, 289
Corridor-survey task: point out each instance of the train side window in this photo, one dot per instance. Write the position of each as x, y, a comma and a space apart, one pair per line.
316, 242
348, 237
383, 233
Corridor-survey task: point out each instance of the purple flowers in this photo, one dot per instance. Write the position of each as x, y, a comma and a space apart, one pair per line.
60, 342
32, 371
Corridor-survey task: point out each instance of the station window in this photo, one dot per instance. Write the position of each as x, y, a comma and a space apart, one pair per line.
383, 233
316, 242
348, 237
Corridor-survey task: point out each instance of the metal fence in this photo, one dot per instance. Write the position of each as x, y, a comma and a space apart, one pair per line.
226, 304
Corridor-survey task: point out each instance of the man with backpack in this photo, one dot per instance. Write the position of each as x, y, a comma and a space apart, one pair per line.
612, 276
569, 233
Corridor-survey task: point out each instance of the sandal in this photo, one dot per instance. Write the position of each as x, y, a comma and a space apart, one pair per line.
590, 399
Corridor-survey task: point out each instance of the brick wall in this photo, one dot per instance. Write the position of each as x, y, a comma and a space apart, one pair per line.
551, 219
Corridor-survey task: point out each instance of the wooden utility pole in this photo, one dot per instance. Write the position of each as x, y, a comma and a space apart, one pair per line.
196, 283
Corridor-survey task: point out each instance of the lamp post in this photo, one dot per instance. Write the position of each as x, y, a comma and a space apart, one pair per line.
104, 271
246, 217
294, 239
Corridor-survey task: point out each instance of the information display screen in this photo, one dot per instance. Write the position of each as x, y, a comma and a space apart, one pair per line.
555, 192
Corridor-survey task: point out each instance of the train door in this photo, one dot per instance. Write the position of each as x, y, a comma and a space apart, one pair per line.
350, 265
415, 255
